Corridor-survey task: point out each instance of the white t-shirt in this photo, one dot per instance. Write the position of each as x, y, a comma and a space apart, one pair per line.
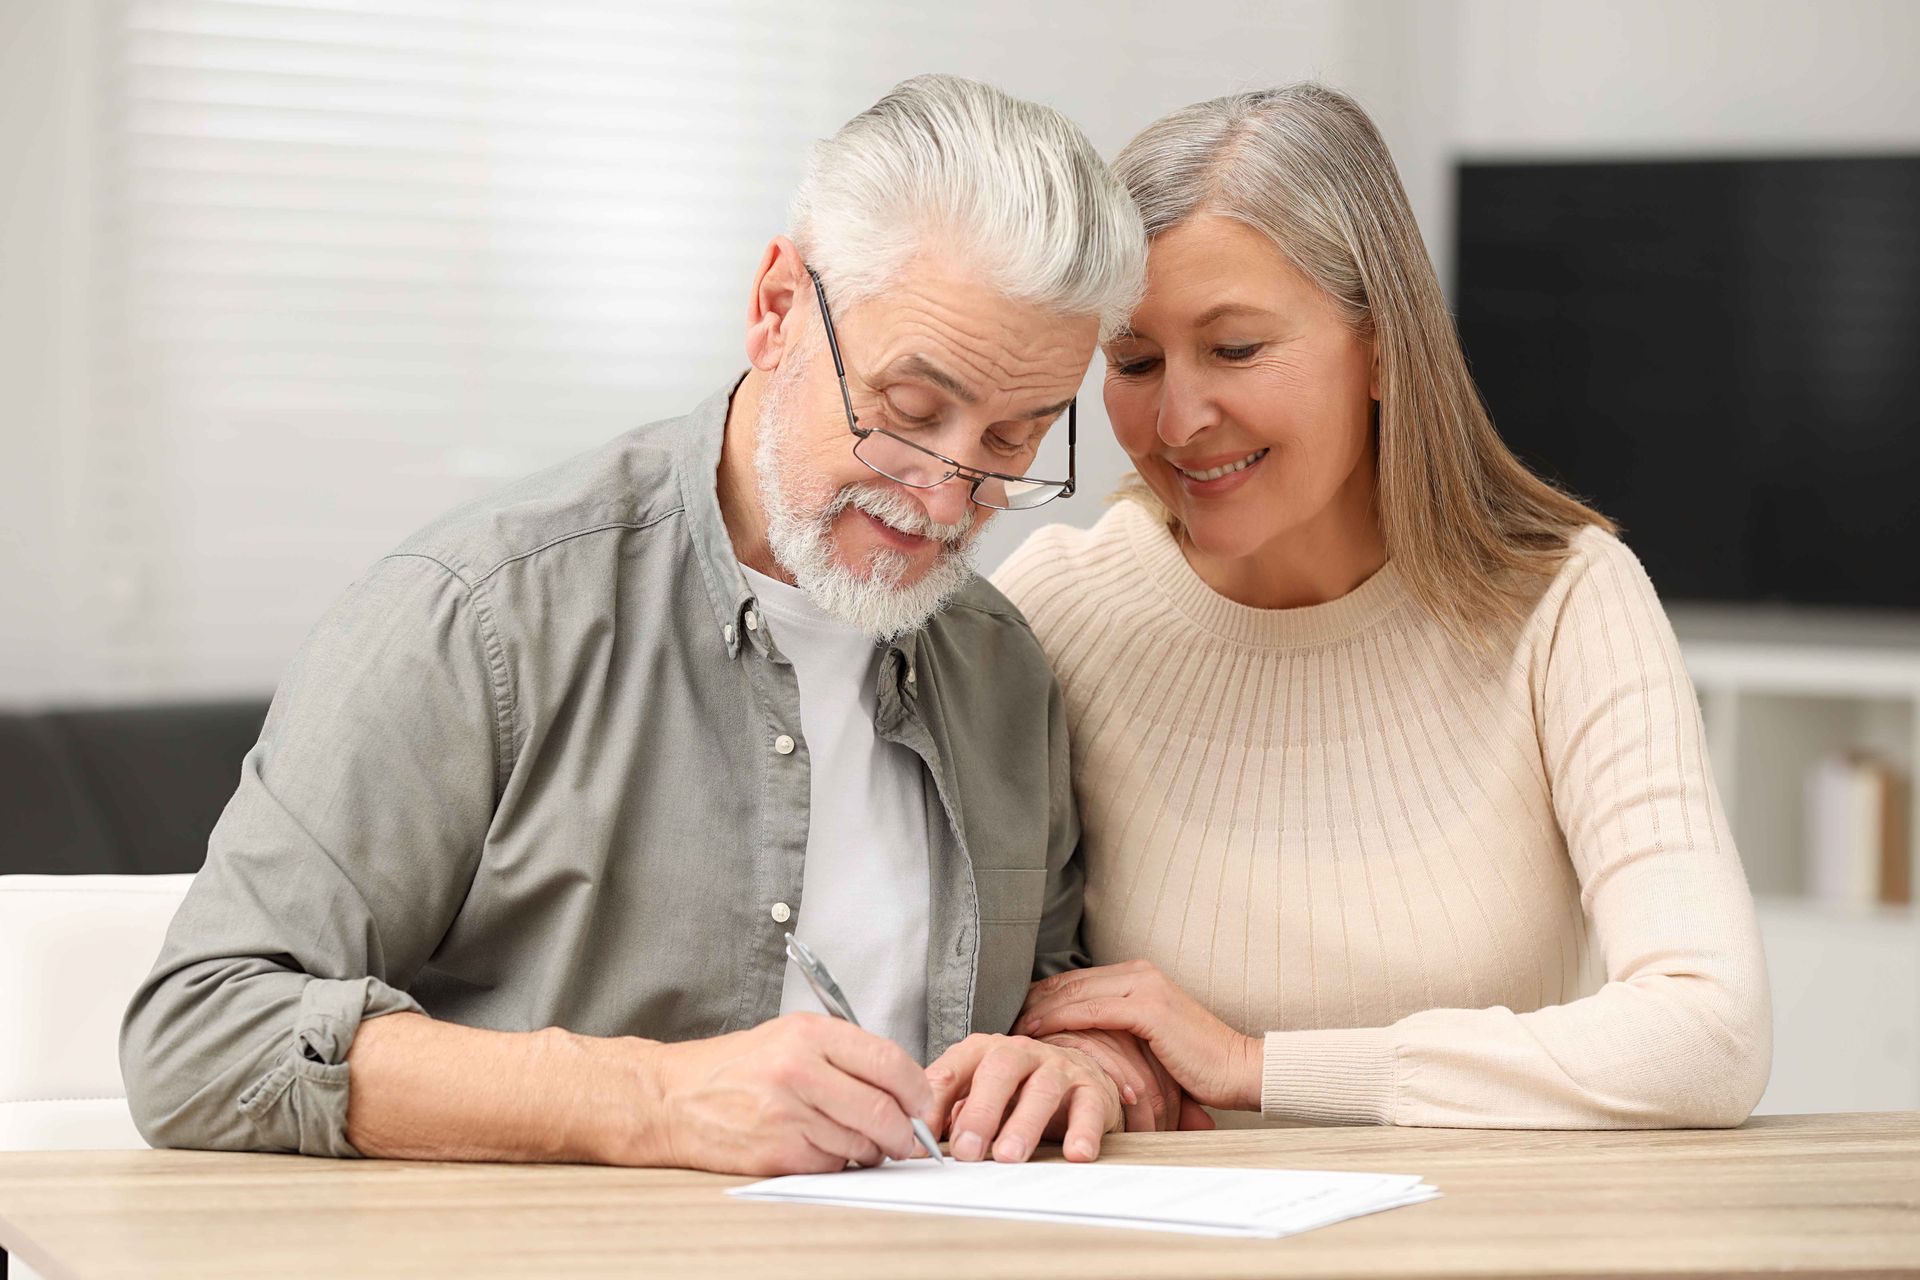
864, 895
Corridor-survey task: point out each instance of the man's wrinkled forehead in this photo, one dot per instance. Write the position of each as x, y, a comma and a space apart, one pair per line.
968, 341
921, 367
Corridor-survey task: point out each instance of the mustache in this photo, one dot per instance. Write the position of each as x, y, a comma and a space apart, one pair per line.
891, 507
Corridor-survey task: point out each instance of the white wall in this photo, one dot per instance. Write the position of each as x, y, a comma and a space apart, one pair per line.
217, 515
1655, 75
44, 83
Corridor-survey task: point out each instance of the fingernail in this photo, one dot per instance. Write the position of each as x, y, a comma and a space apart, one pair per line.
1126, 1091
1010, 1151
969, 1146
1082, 1148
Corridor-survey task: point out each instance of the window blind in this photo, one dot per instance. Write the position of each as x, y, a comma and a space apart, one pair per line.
360, 261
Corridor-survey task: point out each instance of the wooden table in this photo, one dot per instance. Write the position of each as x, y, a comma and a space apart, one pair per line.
1813, 1194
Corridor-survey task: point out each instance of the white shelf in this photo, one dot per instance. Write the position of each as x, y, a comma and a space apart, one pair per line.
1781, 690
1818, 673
1816, 653
1802, 912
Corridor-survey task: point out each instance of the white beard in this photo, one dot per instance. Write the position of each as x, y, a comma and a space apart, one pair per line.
868, 597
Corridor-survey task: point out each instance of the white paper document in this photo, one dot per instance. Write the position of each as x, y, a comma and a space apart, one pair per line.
1218, 1202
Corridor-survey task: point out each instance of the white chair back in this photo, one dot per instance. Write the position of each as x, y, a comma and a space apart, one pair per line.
72, 951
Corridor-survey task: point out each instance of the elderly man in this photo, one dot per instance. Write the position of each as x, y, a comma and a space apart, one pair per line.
509, 873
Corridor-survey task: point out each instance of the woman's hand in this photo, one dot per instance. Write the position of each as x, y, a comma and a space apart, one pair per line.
1151, 1098
1215, 1064
1062, 1094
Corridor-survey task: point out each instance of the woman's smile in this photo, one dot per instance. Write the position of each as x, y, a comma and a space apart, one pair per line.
1211, 477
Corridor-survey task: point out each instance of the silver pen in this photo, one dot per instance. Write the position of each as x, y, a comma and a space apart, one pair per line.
835, 1000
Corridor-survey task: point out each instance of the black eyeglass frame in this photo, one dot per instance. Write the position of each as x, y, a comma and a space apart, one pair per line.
973, 474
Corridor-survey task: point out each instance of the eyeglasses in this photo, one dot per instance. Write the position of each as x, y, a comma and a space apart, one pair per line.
918, 467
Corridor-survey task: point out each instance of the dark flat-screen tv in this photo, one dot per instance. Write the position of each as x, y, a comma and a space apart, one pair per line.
1722, 355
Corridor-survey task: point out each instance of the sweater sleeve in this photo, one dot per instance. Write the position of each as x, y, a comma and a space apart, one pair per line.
1681, 1033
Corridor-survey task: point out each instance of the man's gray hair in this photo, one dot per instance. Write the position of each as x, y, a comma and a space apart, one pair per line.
1014, 187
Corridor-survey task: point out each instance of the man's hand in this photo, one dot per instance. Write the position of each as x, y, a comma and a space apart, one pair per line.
1063, 1094
802, 1093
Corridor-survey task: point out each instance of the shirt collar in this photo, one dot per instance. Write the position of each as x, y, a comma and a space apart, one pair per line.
697, 461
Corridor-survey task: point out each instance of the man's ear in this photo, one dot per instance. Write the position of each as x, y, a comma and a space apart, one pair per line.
780, 287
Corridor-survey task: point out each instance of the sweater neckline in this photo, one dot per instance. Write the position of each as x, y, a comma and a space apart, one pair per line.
1159, 553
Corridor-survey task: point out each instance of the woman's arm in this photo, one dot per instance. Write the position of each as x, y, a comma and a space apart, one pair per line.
1680, 1035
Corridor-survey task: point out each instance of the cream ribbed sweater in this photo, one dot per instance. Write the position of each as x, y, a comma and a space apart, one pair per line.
1451, 891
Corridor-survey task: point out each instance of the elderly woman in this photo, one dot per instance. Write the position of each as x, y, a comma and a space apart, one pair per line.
1396, 805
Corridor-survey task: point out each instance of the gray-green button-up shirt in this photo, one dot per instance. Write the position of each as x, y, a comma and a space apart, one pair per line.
525, 774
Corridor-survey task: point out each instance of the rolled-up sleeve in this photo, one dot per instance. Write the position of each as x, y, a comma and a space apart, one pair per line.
332, 875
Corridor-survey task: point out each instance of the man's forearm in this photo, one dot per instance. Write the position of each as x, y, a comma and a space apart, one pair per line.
427, 1090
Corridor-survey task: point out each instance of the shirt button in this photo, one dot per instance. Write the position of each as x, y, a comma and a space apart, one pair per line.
910, 679
783, 744
753, 620
781, 913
